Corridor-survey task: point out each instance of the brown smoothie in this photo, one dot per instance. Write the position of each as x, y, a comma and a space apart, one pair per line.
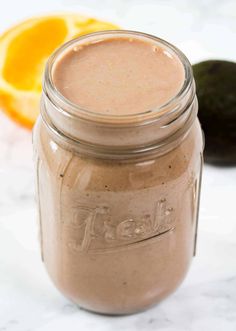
119, 76
118, 234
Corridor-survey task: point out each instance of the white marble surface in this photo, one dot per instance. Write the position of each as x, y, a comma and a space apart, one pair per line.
207, 299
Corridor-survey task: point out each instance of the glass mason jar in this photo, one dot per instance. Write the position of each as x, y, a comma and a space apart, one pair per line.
118, 196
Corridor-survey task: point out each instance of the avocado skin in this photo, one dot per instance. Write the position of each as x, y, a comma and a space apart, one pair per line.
216, 92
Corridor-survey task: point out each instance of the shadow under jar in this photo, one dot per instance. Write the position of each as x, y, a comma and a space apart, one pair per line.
117, 193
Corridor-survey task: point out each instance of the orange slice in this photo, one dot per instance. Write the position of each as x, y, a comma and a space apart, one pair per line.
24, 50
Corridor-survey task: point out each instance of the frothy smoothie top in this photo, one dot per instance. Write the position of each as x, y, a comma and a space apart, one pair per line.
118, 76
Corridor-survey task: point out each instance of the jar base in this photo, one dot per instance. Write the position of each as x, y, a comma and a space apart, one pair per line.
126, 312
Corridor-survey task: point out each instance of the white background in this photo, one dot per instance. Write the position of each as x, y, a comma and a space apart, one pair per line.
207, 299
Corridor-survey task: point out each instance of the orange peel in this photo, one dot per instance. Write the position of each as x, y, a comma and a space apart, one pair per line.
24, 50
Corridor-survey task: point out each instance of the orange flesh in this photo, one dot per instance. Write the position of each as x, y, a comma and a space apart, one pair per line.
48, 35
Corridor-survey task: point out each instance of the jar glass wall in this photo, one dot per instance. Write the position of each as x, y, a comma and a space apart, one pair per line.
118, 217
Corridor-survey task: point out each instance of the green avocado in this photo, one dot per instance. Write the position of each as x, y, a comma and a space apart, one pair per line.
216, 92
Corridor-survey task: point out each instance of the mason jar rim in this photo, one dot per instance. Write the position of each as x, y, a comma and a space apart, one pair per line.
73, 109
